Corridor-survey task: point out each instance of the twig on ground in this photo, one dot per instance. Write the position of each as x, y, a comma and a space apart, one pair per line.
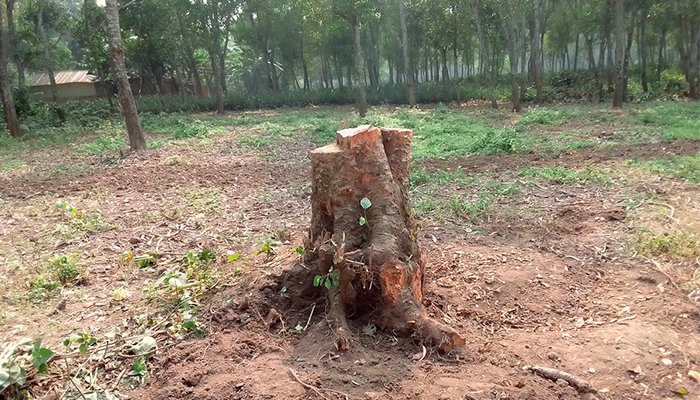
670, 207
579, 384
308, 321
659, 269
577, 259
306, 385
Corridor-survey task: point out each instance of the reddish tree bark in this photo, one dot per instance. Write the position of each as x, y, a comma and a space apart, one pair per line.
378, 264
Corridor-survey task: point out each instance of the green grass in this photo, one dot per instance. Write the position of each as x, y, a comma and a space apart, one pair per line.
11, 165
672, 245
684, 167
588, 174
673, 120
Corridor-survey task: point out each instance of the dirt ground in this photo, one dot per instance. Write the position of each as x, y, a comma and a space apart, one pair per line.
549, 280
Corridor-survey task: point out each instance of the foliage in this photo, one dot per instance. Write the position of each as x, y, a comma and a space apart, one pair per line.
588, 174
684, 167
84, 340
267, 246
329, 280
64, 268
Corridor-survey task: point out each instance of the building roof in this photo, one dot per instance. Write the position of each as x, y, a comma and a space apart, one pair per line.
63, 77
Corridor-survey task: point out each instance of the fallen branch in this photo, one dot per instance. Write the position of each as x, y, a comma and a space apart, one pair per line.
579, 384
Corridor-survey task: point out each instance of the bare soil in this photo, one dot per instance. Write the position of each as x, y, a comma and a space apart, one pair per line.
558, 287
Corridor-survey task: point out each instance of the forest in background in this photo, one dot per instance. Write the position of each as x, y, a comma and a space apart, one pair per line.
242, 54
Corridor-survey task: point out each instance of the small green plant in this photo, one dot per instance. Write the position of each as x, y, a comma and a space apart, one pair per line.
267, 247
40, 357
172, 161
42, 287
370, 329
79, 221
64, 268
190, 323
329, 280
120, 294
365, 203
139, 369
83, 340
671, 245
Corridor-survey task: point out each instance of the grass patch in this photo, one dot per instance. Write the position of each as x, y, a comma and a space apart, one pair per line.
254, 141
563, 175
545, 116
671, 245
673, 120
684, 167
8, 166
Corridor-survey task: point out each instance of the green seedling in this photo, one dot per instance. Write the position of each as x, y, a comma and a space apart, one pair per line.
365, 203
329, 280
83, 340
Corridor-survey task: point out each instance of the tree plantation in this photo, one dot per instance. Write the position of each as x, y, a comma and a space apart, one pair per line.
357, 199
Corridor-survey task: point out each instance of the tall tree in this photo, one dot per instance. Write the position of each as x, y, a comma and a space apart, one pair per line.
8, 103
620, 89
407, 66
46, 50
137, 140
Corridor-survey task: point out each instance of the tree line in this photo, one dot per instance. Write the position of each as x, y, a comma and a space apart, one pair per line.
217, 47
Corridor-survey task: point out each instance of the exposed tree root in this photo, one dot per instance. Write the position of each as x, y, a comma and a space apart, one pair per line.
579, 384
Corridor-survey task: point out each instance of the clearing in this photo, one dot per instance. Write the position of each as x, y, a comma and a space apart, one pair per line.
566, 237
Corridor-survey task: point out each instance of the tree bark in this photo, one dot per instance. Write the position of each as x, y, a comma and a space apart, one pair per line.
360, 70
46, 53
8, 103
137, 140
619, 95
376, 265
407, 66
12, 41
218, 87
642, 43
535, 53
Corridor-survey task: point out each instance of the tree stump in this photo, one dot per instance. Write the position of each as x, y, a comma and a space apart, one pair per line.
363, 239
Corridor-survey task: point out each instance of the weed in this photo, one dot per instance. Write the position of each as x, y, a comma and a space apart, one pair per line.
83, 340
684, 167
672, 245
78, 221
173, 160
253, 141
329, 280
588, 174
42, 287
120, 294
64, 269
206, 200
370, 329
365, 203
267, 247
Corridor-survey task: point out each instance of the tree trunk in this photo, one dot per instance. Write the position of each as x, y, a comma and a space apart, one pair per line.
619, 95
407, 66
360, 70
374, 265
8, 103
46, 51
535, 54
484, 57
12, 41
137, 140
642, 43
660, 62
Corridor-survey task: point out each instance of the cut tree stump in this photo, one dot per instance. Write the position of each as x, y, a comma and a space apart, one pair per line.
370, 255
